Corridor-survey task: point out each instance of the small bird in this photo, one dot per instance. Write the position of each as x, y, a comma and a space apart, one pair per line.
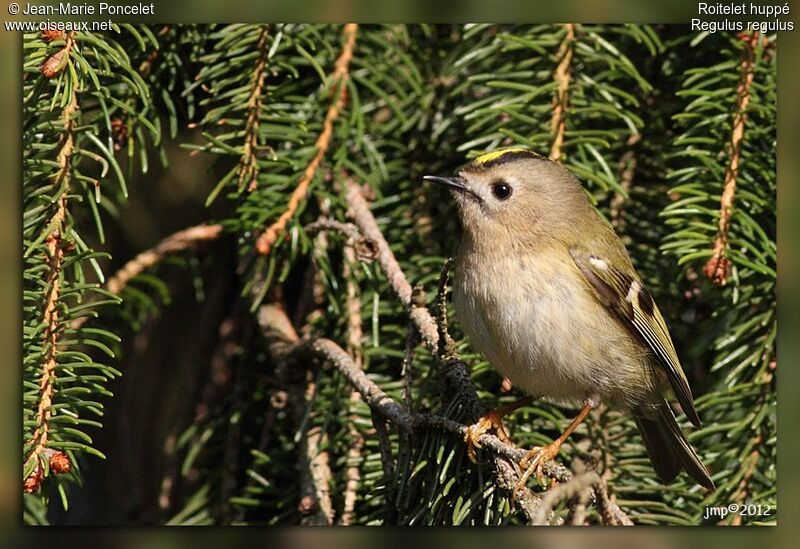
545, 289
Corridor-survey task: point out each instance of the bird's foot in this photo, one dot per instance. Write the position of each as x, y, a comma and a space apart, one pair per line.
534, 460
488, 421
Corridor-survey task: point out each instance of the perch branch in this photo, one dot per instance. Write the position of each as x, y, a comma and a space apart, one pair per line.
339, 83
278, 332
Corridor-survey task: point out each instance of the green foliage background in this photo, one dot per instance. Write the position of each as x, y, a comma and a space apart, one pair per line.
205, 428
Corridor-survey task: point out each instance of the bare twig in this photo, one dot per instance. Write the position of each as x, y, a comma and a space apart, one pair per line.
579, 486
359, 209
718, 265
365, 249
355, 330
327, 224
310, 306
354, 335
51, 317
562, 77
339, 84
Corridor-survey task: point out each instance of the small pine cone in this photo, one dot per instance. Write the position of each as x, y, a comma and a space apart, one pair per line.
717, 269
59, 463
55, 63
53, 34
34, 481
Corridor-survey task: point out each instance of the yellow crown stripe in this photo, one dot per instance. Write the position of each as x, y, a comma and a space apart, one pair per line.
488, 157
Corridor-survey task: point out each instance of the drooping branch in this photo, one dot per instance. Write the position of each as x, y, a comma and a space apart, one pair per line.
718, 265
248, 163
54, 244
338, 85
562, 77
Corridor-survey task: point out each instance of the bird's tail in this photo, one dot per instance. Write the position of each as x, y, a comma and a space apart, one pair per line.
668, 448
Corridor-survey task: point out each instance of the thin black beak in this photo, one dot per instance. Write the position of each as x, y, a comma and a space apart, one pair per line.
456, 183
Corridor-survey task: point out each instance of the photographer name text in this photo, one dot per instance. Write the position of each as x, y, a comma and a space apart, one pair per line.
70, 8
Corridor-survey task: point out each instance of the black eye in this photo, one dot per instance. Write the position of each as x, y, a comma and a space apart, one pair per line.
501, 190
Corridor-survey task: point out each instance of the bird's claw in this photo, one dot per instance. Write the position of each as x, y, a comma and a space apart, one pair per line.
490, 420
534, 461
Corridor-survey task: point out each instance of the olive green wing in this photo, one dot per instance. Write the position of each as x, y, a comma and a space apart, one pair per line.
630, 301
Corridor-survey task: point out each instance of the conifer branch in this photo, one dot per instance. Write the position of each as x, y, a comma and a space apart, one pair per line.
562, 78
173, 244
54, 244
248, 163
718, 266
338, 85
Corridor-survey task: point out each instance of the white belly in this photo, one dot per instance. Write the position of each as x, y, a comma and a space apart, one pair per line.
531, 322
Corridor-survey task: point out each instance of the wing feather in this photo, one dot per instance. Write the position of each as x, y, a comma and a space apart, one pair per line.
629, 300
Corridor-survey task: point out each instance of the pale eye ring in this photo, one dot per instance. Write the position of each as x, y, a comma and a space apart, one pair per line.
501, 190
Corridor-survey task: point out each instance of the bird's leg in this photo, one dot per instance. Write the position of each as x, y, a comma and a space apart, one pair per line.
491, 420
533, 460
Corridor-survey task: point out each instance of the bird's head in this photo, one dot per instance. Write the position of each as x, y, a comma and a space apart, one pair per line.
514, 193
